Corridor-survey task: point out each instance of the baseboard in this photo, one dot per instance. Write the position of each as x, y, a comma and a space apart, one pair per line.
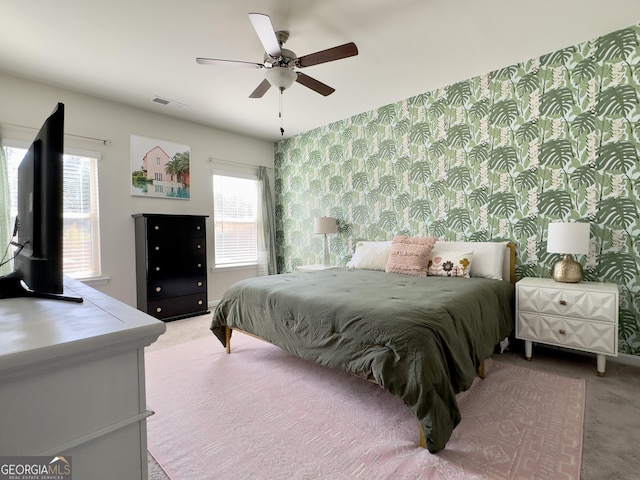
626, 359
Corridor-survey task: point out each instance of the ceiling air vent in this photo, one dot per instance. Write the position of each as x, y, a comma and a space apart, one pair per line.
169, 103
161, 101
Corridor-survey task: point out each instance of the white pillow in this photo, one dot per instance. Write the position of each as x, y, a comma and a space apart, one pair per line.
487, 256
450, 264
371, 255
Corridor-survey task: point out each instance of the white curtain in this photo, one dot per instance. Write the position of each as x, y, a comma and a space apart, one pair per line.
5, 213
266, 226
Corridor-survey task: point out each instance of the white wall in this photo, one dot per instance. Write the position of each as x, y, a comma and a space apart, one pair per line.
28, 103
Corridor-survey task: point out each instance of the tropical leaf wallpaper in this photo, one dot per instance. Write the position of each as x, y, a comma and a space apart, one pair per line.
494, 157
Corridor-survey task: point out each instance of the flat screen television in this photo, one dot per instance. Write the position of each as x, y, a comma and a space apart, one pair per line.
38, 228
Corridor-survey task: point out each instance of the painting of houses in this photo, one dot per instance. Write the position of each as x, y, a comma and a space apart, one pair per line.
159, 169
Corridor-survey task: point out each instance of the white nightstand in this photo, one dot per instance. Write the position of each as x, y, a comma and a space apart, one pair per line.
315, 268
582, 316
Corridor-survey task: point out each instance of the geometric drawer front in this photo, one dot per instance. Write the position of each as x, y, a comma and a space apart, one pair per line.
583, 335
572, 303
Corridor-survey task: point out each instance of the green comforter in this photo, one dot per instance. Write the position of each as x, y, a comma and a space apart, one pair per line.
420, 338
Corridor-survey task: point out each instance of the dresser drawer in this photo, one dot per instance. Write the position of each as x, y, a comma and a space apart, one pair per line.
177, 286
167, 226
584, 335
580, 304
177, 306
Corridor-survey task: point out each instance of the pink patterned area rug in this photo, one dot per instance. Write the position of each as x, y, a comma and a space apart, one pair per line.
261, 413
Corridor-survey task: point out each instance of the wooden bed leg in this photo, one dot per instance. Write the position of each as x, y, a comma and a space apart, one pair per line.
481, 370
227, 338
422, 442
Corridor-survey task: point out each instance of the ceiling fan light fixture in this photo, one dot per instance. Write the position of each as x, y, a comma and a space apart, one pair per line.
281, 77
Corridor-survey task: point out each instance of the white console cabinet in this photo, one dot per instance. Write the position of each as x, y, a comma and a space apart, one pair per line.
72, 382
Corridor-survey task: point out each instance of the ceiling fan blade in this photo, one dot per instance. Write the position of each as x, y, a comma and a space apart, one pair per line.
314, 84
328, 55
229, 63
267, 35
260, 89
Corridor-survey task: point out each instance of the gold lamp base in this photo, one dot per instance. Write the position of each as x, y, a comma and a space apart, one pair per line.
567, 270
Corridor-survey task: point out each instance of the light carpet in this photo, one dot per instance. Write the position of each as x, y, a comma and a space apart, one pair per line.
261, 413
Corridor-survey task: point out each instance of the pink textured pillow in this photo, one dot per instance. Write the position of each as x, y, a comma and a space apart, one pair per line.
410, 255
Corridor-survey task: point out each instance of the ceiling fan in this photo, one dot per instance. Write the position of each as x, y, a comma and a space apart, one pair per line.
280, 63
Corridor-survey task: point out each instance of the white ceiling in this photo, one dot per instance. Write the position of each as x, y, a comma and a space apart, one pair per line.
132, 50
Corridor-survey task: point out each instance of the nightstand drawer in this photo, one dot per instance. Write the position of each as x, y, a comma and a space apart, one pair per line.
584, 335
580, 304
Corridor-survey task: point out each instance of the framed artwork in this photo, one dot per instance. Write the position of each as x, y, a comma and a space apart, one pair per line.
159, 169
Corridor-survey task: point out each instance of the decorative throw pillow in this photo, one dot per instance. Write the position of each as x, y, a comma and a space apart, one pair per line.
370, 255
450, 264
487, 256
410, 255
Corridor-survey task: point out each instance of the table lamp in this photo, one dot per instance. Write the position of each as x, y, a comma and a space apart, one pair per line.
325, 225
568, 239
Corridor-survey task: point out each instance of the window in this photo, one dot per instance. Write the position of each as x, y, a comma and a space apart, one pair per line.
235, 202
81, 232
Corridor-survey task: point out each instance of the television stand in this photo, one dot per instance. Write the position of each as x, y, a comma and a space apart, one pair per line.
12, 287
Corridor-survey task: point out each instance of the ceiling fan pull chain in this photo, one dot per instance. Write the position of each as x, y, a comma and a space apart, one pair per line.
280, 113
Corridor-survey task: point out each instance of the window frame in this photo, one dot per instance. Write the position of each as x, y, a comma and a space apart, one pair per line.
94, 216
237, 175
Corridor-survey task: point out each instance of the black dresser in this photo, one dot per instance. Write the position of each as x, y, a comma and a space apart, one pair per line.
171, 265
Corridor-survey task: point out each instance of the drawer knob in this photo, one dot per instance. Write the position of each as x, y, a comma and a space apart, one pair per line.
200, 302
199, 284
156, 227
563, 302
199, 246
157, 249
157, 269
562, 331
158, 289
159, 309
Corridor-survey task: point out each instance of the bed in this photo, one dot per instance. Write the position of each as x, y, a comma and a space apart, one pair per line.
424, 339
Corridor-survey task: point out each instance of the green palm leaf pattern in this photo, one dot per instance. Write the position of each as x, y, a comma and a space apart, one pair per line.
459, 218
617, 45
528, 83
614, 266
617, 156
527, 131
387, 149
420, 210
557, 102
557, 153
620, 100
459, 178
479, 110
459, 135
555, 203
503, 158
459, 93
479, 197
387, 185
527, 179
496, 156
557, 58
387, 113
585, 70
504, 112
503, 204
617, 212
584, 176
526, 227
584, 123
419, 133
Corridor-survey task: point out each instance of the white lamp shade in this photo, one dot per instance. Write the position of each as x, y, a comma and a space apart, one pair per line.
568, 238
324, 225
